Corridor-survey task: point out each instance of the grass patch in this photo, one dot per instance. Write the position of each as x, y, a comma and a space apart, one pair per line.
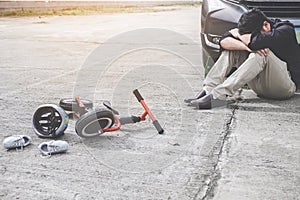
194, 4
298, 36
83, 11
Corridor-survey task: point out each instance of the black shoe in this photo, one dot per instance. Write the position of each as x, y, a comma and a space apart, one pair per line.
201, 94
207, 102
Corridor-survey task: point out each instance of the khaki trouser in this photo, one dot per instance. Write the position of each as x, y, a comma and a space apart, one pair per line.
267, 75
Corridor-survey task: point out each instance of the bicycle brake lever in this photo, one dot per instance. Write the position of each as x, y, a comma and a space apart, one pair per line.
107, 104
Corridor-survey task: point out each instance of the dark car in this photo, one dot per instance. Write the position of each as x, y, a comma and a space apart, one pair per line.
219, 16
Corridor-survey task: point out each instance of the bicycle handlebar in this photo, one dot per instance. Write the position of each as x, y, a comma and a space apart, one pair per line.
156, 124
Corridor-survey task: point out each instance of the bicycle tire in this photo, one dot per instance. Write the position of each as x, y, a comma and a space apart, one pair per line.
90, 124
70, 104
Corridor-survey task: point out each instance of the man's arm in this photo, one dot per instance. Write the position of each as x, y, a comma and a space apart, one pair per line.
246, 39
230, 43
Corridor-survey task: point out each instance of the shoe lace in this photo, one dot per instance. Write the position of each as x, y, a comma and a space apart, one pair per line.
51, 149
19, 143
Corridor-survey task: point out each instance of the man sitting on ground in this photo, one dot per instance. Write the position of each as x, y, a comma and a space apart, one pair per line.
266, 54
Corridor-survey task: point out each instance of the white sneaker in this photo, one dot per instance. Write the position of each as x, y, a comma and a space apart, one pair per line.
53, 147
16, 141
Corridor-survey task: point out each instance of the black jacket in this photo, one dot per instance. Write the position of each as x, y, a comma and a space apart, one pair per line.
283, 43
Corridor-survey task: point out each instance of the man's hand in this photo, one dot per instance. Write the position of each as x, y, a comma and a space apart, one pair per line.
235, 33
244, 38
263, 52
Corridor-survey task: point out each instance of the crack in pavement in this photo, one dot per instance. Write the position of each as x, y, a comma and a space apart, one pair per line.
212, 181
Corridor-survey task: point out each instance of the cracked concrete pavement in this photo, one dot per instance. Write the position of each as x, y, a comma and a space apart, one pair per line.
249, 150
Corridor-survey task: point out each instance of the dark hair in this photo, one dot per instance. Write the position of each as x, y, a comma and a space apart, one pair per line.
252, 21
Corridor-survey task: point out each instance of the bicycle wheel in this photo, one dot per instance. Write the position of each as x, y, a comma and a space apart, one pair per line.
70, 104
49, 121
91, 123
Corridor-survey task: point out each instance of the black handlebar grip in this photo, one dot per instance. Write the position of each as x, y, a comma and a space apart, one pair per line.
138, 95
129, 119
158, 127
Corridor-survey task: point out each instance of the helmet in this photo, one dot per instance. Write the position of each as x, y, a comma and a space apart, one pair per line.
49, 121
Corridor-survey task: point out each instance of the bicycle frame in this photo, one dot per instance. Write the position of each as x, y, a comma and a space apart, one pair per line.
119, 121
